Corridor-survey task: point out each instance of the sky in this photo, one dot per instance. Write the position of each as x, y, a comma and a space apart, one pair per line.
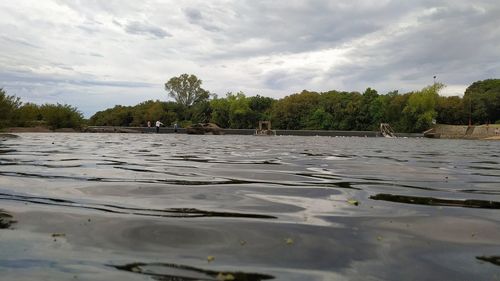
94, 54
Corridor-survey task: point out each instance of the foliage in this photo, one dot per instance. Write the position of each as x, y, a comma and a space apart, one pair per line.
240, 112
28, 115
61, 116
14, 113
482, 99
331, 110
451, 110
186, 90
220, 112
292, 112
8, 107
420, 110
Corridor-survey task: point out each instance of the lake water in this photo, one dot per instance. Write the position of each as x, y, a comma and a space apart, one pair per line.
183, 207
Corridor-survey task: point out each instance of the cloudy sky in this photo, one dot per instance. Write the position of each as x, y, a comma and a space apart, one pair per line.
94, 54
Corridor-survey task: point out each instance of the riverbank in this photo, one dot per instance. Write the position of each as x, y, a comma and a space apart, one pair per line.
488, 132
170, 130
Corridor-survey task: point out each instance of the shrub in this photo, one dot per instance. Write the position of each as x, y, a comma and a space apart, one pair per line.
61, 116
8, 107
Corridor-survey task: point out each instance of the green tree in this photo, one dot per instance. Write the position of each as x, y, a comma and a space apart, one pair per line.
186, 89
28, 115
451, 110
292, 112
116, 116
261, 106
61, 116
220, 112
8, 107
483, 98
420, 110
319, 120
200, 112
240, 114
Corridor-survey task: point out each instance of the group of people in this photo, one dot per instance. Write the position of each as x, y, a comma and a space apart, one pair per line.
158, 124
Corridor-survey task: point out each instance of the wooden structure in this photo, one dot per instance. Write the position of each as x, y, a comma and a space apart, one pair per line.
264, 129
386, 130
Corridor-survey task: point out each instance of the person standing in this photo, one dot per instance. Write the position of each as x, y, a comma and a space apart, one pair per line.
158, 124
149, 124
175, 127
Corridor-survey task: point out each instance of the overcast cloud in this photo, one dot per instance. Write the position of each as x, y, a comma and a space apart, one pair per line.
94, 54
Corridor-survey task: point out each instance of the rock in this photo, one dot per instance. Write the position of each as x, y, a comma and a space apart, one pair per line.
204, 129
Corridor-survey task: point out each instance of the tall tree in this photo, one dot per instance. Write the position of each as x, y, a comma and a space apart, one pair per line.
420, 110
483, 99
186, 89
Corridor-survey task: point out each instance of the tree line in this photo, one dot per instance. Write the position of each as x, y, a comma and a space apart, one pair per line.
414, 111
15, 113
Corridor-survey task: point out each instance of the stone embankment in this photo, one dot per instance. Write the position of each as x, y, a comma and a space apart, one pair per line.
167, 130
467, 132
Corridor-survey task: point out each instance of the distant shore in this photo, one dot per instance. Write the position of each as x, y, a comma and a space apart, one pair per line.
482, 132
39, 129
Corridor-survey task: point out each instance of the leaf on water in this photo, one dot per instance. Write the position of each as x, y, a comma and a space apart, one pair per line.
289, 241
379, 238
225, 277
353, 202
243, 242
210, 258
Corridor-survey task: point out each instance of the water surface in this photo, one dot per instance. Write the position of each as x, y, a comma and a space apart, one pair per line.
181, 207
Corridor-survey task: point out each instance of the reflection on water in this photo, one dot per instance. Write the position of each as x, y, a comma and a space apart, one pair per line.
165, 272
129, 207
169, 212
493, 259
437, 202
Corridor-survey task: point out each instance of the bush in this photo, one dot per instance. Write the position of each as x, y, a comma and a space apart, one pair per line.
8, 107
61, 116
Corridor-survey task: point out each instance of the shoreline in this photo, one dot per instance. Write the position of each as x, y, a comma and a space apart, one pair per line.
444, 132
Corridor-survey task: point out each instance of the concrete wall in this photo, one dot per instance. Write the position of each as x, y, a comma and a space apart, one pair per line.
169, 130
466, 132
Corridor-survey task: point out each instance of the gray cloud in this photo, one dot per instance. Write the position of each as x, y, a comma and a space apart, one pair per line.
195, 17
271, 48
142, 28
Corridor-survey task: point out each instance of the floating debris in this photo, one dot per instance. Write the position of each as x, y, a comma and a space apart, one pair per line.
58, 234
289, 241
225, 277
353, 202
210, 258
5, 220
